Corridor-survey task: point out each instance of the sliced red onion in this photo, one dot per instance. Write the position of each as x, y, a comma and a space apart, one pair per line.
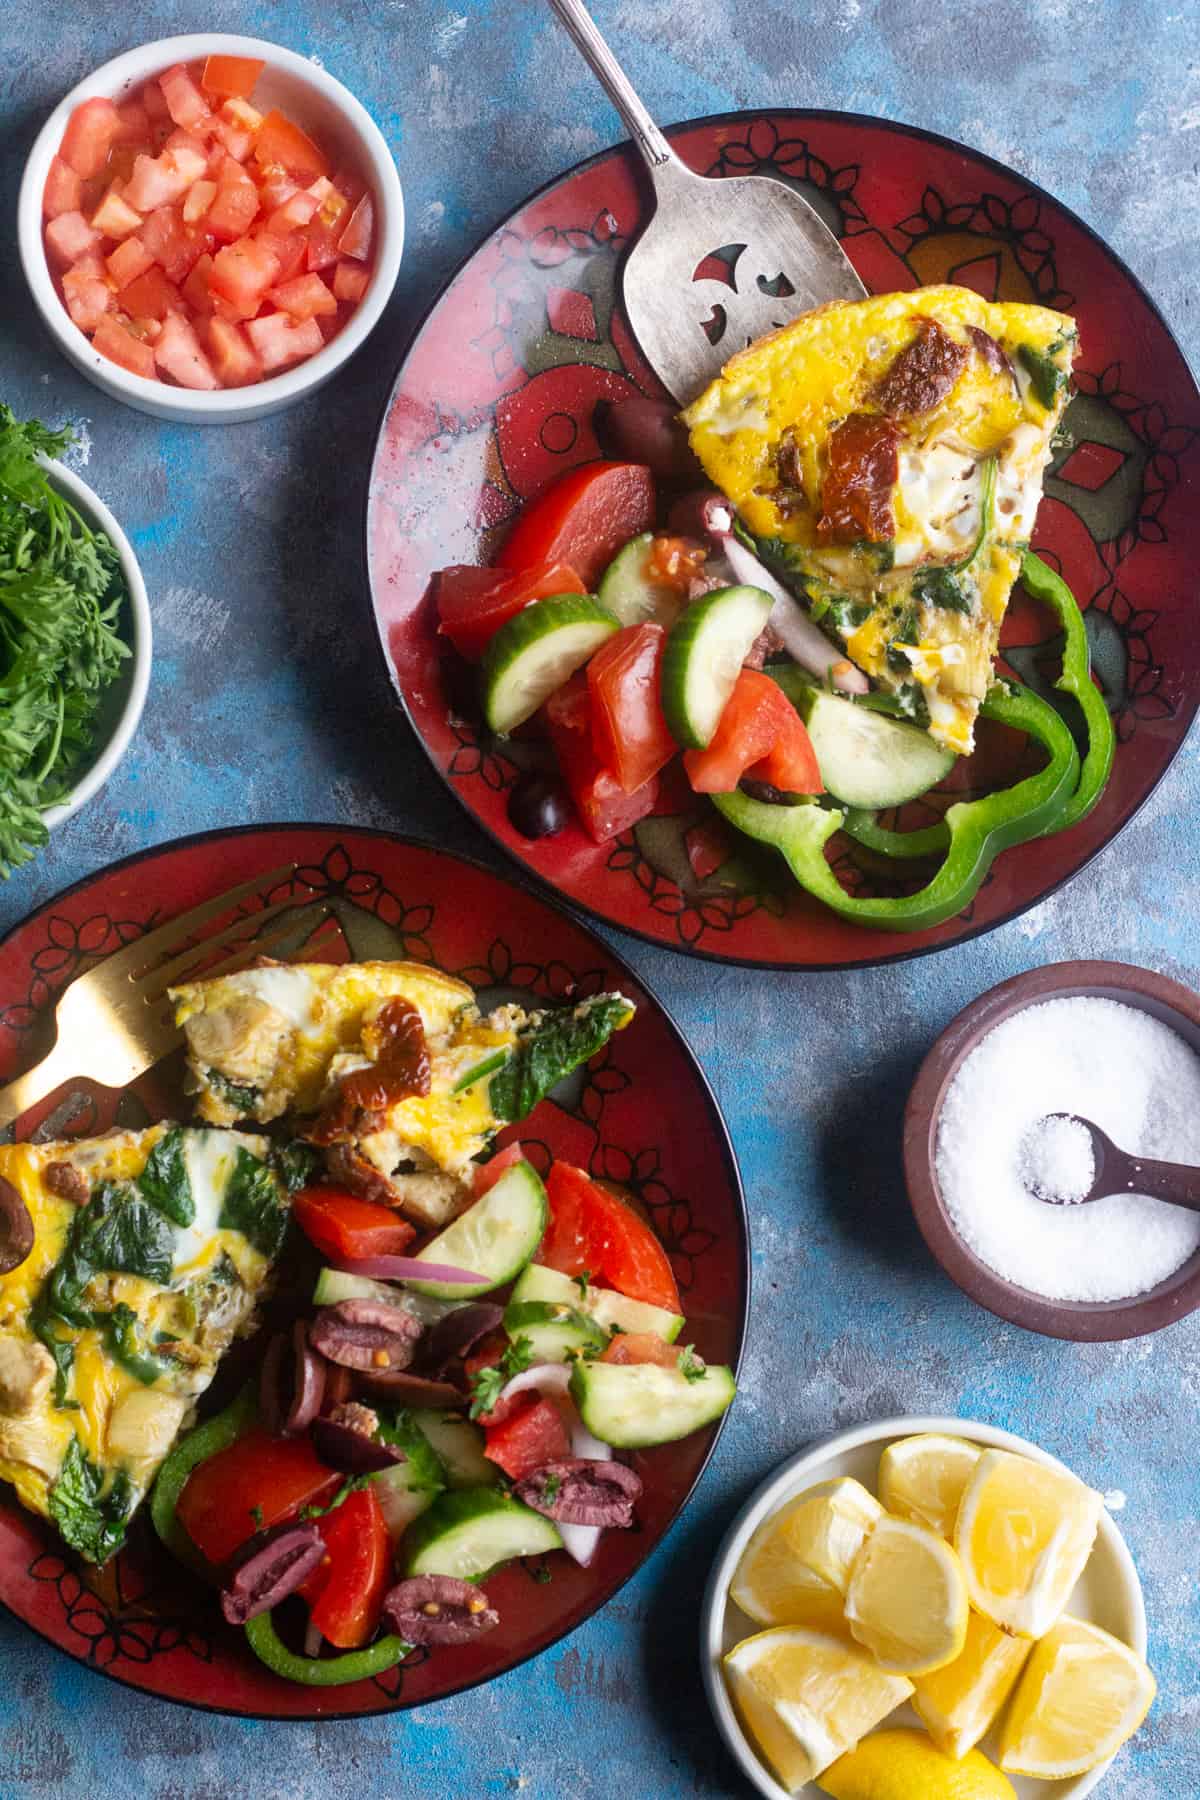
407, 1268
801, 638
579, 1541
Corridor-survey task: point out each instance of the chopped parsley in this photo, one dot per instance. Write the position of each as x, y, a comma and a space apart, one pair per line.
551, 1488
583, 1282
489, 1383
691, 1366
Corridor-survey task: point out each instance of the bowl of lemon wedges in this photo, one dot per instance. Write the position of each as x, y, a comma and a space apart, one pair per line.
925, 1609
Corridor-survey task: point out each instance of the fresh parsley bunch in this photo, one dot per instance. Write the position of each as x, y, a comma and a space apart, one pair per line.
61, 590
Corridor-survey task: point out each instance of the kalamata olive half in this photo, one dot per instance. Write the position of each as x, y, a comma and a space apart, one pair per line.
365, 1334
647, 431
342, 1442
16, 1228
403, 1389
770, 796
538, 806
292, 1382
437, 1609
456, 1334
580, 1490
271, 1568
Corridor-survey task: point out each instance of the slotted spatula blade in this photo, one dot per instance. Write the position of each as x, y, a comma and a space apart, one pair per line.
722, 261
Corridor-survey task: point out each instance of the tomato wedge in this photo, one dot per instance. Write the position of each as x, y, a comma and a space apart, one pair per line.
604, 808
759, 730
472, 604
345, 1227
489, 1173
345, 1592
527, 1439
233, 77
642, 1347
257, 1482
591, 1229
281, 142
629, 731
583, 519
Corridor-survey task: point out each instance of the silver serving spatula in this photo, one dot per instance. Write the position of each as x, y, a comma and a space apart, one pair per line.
689, 323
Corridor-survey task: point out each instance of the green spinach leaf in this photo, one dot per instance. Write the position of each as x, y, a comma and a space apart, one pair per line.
245, 1098
549, 1051
91, 1521
165, 1178
939, 587
124, 1344
253, 1205
296, 1164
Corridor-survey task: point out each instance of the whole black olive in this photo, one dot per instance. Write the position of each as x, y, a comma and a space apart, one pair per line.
538, 807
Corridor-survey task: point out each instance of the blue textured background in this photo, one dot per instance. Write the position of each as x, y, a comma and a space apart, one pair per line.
268, 702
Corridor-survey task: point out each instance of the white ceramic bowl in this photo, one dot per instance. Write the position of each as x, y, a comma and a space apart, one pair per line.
121, 706
1108, 1593
318, 103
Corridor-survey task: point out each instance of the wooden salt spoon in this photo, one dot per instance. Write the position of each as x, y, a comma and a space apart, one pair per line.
1116, 1172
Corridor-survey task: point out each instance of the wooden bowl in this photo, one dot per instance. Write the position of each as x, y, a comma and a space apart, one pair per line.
1085, 1321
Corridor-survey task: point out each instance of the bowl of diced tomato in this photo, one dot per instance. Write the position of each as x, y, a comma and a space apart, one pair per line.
210, 226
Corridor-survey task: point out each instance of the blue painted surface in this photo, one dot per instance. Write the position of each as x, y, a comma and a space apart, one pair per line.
268, 702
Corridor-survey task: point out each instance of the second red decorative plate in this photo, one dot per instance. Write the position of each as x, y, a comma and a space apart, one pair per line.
496, 398
641, 1114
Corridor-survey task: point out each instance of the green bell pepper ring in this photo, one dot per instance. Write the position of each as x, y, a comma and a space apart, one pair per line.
322, 1671
215, 1434
977, 829
864, 827
1076, 680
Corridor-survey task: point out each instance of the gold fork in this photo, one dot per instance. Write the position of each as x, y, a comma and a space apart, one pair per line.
115, 1021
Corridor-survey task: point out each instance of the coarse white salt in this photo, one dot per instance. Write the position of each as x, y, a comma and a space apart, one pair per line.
1138, 1080
1057, 1160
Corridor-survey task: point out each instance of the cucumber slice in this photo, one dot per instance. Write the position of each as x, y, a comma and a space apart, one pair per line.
704, 657
459, 1447
554, 1329
634, 1405
611, 1310
867, 759
468, 1533
494, 1238
399, 1503
334, 1285
409, 1488
535, 652
628, 591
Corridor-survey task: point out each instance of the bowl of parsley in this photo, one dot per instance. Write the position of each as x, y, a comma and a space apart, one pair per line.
75, 639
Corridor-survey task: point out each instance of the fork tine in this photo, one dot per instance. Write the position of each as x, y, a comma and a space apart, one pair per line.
137, 956
164, 974
238, 958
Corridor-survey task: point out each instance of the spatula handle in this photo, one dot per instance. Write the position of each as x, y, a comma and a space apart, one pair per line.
616, 84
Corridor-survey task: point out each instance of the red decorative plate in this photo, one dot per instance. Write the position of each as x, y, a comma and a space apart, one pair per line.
496, 397
641, 1114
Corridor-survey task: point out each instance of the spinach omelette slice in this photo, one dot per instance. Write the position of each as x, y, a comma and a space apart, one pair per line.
887, 456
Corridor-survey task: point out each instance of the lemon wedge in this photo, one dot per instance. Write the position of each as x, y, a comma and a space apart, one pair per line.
923, 1478
825, 1527
958, 1702
904, 1765
775, 1586
1082, 1695
907, 1598
805, 1698
1024, 1533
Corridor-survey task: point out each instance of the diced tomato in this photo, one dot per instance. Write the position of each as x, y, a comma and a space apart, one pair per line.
591, 1229
231, 76
121, 347
583, 519
236, 127
235, 205
641, 1347
295, 212
150, 295
241, 273
629, 731
757, 717
355, 240
276, 185
161, 180
198, 200
304, 297
196, 290
350, 281
472, 604
234, 362
178, 353
155, 102
288, 251
527, 1440
178, 247
179, 139
346, 1227
604, 807
325, 228
128, 261
90, 131
352, 1580
185, 103
63, 192
88, 296
257, 1482
69, 236
282, 142
489, 1173
279, 342
114, 217
133, 123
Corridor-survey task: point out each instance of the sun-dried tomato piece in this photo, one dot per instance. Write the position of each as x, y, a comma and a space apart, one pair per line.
856, 495
400, 1069
923, 373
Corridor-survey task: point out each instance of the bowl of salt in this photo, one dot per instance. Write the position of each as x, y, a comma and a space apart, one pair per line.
1106, 1041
